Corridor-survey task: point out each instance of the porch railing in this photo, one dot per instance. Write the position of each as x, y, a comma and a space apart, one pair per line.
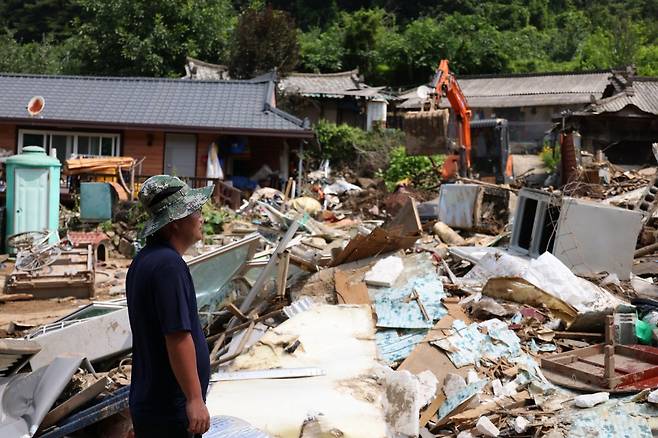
223, 194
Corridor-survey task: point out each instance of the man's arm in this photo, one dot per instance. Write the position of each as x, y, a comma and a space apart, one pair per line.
182, 357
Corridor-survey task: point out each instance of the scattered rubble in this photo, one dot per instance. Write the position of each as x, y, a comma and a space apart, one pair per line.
349, 312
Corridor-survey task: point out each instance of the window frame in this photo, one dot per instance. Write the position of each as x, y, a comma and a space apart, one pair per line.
47, 135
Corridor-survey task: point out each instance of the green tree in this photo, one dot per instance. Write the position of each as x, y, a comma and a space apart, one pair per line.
263, 40
43, 57
151, 37
34, 20
647, 60
322, 51
363, 31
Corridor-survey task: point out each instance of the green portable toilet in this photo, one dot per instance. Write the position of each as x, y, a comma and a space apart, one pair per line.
32, 192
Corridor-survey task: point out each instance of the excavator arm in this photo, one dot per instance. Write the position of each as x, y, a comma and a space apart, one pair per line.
445, 84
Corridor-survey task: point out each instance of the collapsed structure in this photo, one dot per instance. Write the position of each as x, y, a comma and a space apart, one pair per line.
483, 312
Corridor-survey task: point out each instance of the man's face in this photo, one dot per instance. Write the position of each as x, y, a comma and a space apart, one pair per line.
190, 228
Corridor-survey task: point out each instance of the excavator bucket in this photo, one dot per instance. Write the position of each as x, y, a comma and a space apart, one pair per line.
426, 132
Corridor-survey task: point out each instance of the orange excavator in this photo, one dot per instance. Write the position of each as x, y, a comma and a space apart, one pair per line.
445, 84
493, 160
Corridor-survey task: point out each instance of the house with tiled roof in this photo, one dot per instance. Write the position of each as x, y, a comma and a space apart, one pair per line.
622, 122
340, 97
169, 122
528, 101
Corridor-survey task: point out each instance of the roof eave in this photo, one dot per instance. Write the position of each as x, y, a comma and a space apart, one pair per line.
288, 133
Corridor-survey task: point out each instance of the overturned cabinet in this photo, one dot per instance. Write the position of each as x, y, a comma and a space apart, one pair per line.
587, 237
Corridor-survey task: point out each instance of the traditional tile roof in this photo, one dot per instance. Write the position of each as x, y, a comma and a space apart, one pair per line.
641, 93
232, 106
514, 90
200, 70
330, 85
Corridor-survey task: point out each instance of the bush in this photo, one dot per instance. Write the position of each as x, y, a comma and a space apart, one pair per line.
416, 169
214, 218
550, 158
345, 145
339, 143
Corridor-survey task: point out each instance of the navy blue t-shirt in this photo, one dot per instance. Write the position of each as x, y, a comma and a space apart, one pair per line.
161, 300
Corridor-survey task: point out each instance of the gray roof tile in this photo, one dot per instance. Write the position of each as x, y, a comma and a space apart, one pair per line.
644, 96
500, 91
238, 105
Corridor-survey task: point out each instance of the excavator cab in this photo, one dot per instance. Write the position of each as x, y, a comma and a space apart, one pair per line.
491, 160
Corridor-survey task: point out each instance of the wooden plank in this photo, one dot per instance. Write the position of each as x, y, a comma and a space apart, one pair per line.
578, 335
282, 273
517, 400
576, 373
580, 352
70, 405
637, 353
15, 297
349, 292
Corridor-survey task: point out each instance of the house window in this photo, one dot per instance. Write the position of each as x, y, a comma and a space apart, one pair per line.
71, 144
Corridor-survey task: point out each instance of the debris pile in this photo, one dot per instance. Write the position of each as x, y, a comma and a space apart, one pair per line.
485, 311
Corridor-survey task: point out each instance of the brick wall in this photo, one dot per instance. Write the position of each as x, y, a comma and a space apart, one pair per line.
135, 144
8, 137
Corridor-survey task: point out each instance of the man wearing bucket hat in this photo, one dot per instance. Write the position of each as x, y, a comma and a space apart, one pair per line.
171, 364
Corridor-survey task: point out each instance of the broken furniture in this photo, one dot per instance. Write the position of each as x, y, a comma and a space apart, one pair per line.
474, 207
601, 367
32, 192
587, 237
607, 367
104, 170
71, 273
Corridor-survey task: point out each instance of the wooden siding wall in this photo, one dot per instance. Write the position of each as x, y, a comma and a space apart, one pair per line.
8, 137
135, 144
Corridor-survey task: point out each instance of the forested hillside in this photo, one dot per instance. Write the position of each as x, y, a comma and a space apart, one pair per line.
394, 43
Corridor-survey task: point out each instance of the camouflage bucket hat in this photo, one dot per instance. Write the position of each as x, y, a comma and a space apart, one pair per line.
166, 199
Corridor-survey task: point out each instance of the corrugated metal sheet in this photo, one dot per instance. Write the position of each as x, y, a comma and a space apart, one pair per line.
146, 101
644, 96
514, 85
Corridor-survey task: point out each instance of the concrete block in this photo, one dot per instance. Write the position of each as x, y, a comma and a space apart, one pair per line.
385, 272
624, 328
521, 424
486, 427
591, 400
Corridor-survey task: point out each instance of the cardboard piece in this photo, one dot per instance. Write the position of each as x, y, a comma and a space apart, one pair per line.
349, 292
